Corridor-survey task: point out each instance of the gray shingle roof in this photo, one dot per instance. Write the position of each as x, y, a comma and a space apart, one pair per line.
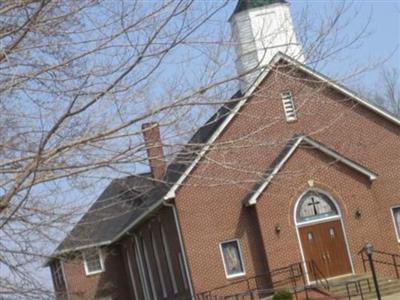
189, 152
248, 4
124, 200
127, 199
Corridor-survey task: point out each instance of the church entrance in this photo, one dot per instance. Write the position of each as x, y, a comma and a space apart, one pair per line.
321, 235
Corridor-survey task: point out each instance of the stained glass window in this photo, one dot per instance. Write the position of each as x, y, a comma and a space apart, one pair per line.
396, 215
315, 205
232, 258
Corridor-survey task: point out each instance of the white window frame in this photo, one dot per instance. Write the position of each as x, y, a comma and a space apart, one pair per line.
139, 261
132, 274
148, 266
58, 275
288, 106
100, 254
394, 222
240, 257
169, 260
158, 263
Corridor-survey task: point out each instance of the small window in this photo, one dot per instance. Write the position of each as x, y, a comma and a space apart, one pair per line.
232, 258
93, 261
288, 106
58, 276
396, 217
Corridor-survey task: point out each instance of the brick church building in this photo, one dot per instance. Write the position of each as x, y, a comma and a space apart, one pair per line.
294, 169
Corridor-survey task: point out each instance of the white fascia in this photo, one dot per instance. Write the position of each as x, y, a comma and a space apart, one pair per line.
338, 157
172, 192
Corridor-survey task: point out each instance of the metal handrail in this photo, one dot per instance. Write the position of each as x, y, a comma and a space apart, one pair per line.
394, 260
319, 275
294, 271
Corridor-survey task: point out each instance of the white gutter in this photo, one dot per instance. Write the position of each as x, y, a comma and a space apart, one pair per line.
65, 280
140, 219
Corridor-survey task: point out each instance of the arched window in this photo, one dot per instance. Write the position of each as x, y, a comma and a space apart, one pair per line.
315, 205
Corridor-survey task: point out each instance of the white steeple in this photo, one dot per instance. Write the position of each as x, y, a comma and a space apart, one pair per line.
260, 29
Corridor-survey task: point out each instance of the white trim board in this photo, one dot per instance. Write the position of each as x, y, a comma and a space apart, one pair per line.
101, 260
279, 56
337, 156
171, 194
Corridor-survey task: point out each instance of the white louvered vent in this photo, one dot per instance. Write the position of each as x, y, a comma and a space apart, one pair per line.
288, 106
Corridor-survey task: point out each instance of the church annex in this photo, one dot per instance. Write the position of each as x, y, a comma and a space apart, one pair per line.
294, 170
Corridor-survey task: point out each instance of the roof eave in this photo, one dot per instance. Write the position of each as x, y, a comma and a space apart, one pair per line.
316, 145
57, 254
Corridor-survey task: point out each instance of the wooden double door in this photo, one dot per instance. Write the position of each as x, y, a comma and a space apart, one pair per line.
324, 244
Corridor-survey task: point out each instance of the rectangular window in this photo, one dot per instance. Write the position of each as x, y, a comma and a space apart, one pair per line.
147, 266
132, 275
169, 260
93, 261
396, 219
288, 106
140, 263
232, 258
58, 276
158, 263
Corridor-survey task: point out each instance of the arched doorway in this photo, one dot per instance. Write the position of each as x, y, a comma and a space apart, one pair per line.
321, 235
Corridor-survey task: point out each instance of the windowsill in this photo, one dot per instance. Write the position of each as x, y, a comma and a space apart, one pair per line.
291, 121
236, 276
94, 273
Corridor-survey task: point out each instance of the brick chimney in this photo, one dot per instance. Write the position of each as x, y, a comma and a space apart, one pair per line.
155, 152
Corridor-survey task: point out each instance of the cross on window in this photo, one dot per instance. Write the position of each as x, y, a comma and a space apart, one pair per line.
314, 204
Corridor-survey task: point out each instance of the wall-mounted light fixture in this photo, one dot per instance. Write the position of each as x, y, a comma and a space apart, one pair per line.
277, 228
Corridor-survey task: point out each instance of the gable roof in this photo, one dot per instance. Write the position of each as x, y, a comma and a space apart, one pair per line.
288, 151
234, 111
118, 221
127, 201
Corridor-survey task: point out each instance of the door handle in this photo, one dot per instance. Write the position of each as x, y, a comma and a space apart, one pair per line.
328, 256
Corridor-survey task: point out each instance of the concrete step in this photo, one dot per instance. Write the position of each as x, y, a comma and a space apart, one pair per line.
386, 286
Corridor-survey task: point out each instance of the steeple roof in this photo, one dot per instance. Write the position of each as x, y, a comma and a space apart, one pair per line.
247, 4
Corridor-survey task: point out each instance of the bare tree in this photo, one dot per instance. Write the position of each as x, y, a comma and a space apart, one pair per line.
78, 78
387, 92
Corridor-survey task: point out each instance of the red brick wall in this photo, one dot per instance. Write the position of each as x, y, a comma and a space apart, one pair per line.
210, 203
350, 190
112, 282
115, 281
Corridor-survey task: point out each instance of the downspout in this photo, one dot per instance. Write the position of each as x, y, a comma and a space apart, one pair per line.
178, 228
65, 279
